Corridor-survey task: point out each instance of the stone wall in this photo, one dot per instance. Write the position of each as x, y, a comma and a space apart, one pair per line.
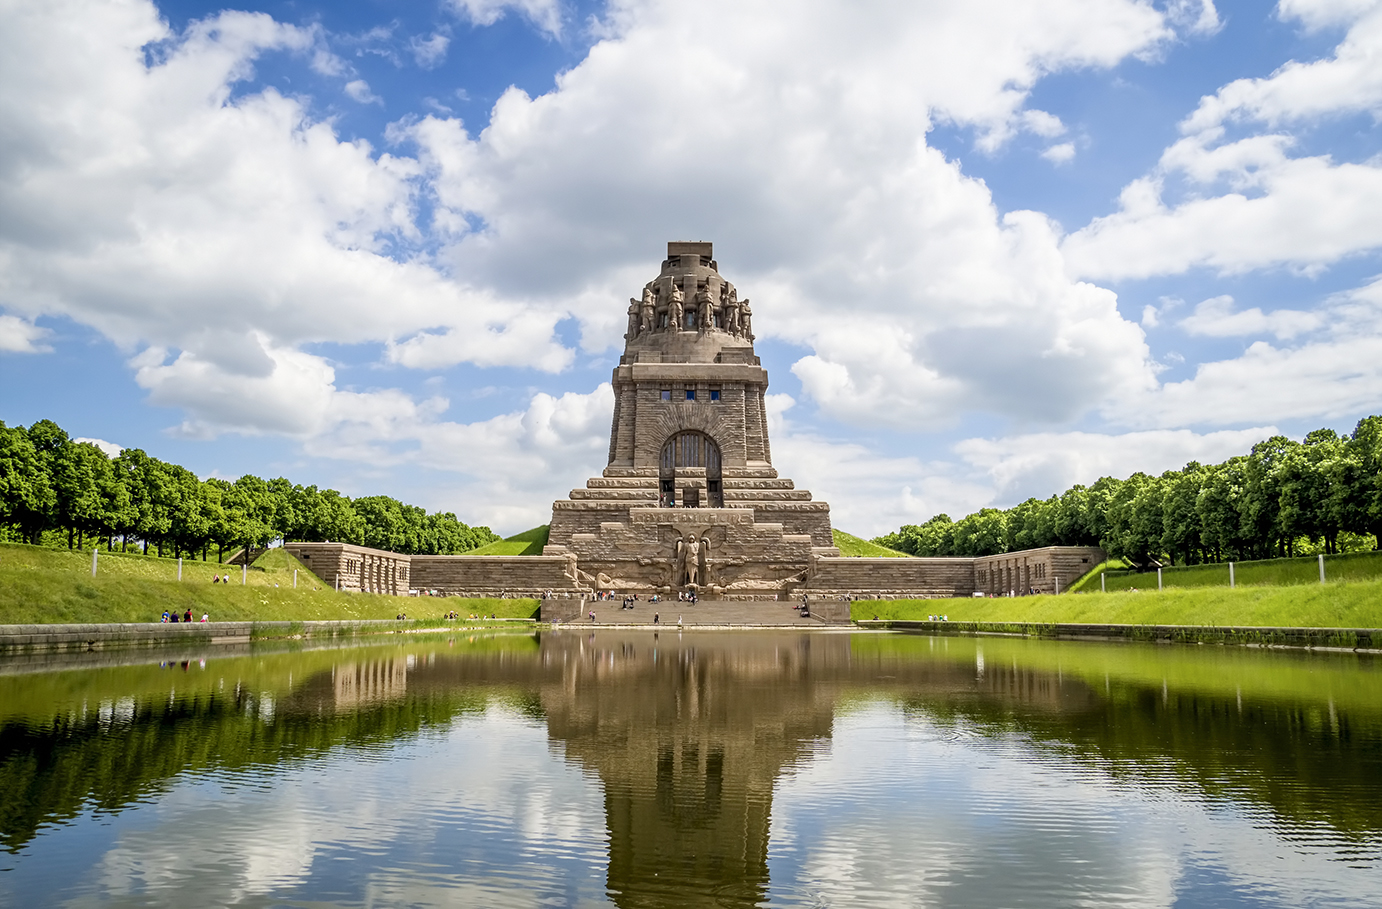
494, 576
357, 569
891, 578
1046, 570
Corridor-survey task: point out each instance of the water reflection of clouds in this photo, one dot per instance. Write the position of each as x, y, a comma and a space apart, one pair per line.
903, 812
436, 823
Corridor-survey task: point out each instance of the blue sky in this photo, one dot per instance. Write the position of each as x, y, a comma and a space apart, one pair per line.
994, 248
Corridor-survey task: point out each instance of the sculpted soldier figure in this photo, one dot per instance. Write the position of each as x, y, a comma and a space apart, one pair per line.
645, 311
693, 560
676, 311
731, 310
633, 320
706, 317
746, 319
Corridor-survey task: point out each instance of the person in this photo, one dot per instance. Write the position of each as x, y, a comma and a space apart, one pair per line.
187, 616
592, 615
173, 617
215, 579
656, 617
206, 617
165, 617
678, 621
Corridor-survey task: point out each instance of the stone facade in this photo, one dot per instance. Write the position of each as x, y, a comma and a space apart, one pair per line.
689, 499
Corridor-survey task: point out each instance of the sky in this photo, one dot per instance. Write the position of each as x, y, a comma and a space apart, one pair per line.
994, 248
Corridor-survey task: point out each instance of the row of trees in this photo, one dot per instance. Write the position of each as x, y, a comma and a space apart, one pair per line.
1282, 498
49, 482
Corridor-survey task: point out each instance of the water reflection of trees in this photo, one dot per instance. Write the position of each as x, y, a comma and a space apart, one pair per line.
688, 734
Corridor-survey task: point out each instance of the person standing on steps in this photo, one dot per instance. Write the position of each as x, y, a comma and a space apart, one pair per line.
655, 618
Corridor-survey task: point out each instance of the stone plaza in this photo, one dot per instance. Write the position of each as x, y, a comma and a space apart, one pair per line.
689, 501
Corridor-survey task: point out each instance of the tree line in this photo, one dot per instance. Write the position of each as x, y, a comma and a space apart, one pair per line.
1281, 499
50, 483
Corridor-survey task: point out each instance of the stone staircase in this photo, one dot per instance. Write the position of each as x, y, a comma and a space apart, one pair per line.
705, 613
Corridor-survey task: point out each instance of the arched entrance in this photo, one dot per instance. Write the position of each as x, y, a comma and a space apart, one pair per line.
688, 450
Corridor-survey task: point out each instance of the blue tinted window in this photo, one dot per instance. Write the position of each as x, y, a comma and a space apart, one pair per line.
690, 394
714, 394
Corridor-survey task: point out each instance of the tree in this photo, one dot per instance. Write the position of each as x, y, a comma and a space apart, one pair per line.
27, 498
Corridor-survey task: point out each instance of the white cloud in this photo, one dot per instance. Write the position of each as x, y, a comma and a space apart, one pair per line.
1060, 154
1043, 464
429, 52
1216, 318
21, 336
359, 90
544, 14
110, 448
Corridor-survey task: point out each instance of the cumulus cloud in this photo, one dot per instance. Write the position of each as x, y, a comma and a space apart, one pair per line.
110, 448
1251, 204
429, 52
1042, 464
21, 336
1217, 318
545, 15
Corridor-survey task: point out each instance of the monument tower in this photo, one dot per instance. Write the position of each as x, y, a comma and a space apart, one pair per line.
690, 499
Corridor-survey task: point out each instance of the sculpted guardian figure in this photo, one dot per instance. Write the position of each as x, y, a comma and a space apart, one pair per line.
746, 319
634, 322
676, 311
645, 310
731, 310
693, 560
706, 317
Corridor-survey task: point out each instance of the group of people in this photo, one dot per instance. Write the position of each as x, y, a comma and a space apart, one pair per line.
172, 617
221, 579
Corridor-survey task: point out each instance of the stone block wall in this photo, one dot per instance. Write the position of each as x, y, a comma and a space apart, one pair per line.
1035, 570
891, 578
494, 576
359, 569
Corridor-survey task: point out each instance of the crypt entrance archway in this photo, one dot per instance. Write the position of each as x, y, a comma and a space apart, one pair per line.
680, 483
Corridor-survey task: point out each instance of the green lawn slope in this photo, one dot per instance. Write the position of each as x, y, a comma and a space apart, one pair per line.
529, 542
1353, 566
1338, 604
850, 545
39, 585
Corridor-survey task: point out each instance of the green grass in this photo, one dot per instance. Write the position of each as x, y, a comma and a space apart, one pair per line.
1340, 604
852, 546
529, 542
39, 585
1355, 566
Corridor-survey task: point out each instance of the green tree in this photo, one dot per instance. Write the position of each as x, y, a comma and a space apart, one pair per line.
27, 498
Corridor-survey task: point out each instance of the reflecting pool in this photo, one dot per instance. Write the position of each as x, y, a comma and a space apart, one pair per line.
696, 769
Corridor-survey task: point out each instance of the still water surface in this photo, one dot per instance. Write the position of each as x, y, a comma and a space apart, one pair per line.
700, 769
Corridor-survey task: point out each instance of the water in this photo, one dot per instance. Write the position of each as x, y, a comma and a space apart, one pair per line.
700, 769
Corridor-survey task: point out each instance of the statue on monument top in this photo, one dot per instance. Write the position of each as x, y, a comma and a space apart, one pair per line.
676, 310
705, 318
645, 310
746, 319
731, 309
634, 324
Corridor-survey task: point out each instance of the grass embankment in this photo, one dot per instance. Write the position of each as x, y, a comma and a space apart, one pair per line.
1339, 604
40, 585
1353, 566
529, 542
854, 547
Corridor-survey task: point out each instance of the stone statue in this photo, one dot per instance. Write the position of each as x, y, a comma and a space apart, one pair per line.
645, 310
705, 318
706, 579
676, 310
731, 310
634, 323
746, 319
693, 560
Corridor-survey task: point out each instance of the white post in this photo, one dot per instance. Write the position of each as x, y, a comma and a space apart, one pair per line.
1057, 580
244, 575
94, 553
1103, 582
1230, 575
179, 568
1321, 568
295, 579
1158, 579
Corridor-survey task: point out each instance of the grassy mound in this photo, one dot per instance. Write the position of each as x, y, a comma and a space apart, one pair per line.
529, 542
852, 546
39, 585
1339, 604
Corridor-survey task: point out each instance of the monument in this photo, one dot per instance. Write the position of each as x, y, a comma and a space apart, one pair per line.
689, 500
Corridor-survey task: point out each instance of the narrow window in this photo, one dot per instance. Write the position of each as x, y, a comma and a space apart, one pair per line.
690, 394
714, 394
666, 394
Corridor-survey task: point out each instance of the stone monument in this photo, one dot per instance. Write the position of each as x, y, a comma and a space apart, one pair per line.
689, 500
